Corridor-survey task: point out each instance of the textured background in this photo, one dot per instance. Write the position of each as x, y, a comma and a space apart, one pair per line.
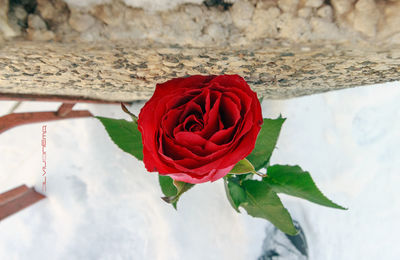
202, 23
119, 50
123, 72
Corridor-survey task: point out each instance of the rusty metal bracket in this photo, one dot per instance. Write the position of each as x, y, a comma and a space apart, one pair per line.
17, 199
64, 112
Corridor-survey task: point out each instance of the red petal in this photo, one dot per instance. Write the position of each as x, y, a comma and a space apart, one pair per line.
211, 118
170, 120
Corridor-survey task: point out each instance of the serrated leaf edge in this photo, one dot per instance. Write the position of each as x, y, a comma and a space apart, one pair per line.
337, 206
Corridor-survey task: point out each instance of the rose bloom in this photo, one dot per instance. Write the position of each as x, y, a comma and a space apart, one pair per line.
195, 129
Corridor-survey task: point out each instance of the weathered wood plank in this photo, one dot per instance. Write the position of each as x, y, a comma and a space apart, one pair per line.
127, 72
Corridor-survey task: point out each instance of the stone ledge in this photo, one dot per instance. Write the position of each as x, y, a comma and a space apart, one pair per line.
129, 72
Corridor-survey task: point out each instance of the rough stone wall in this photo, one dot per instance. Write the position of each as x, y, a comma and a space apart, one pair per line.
213, 22
127, 72
113, 51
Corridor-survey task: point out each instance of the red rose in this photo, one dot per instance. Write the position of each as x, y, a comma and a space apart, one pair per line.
196, 129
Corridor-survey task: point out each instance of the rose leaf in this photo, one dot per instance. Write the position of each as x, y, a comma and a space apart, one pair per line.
167, 187
172, 195
266, 142
292, 180
242, 167
262, 202
125, 135
234, 192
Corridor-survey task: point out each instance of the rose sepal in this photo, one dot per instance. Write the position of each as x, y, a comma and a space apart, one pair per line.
172, 189
242, 167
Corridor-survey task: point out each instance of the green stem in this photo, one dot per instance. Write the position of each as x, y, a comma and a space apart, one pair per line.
134, 117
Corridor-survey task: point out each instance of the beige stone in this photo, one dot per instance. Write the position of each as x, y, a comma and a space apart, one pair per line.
293, 28
126, 71
242, 12
182, 22
53, 11
36, 22
20, 13
391, 22
266, 4
17, 16
288, 6
143, 24
323, 29
216, 31
80, 22
304, 12
216, 15
342, 6
264, 23
5, 28
313, 3
40, 35
199, 25
110, 14
366, 17
325, 12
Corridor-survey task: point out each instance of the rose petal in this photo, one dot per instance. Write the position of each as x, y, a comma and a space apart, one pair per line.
212, 176
180, 84
191, 108
232, 80
193, 124
224, 136
244, 148
221, 173
229, 112
170, 119
184, 159
211, 122
191, 139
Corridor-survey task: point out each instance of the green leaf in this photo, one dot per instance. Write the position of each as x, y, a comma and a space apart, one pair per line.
125, 135
234, 193
263, 202
259, 200
167, 187
173, 189
292, 180
266, 142
243, 166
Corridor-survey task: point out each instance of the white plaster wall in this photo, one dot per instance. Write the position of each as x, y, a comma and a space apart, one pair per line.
102, 204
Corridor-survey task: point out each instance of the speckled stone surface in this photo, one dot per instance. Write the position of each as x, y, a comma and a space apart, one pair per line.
129, 72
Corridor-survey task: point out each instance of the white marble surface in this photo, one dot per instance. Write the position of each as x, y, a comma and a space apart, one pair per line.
102, 204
